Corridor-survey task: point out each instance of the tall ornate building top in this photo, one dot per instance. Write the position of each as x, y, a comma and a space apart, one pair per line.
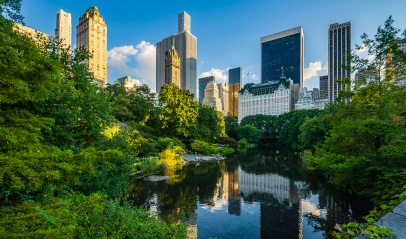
172, 66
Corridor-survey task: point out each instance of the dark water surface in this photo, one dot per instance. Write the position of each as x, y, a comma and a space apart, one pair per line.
261, 194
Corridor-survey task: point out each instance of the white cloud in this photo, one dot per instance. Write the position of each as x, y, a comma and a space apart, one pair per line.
118, 57
219, 75
146, 63
311, 75
137, 62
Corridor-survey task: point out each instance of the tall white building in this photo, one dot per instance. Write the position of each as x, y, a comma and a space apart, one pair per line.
270, 98
63, 30
186, 45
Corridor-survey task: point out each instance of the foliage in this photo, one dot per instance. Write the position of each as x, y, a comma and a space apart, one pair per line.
10, 9
56, 147
179, 111
243, 145
362, 150
81, 109
368, 229
78, 216
231, 126
206, 148
250, 133
210, 124
132, 104
203, 147
265, 123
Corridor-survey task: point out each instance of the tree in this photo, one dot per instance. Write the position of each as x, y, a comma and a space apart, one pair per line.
132, 104
265, 123
249, 132
362, 150
81, 110
210, 124
10, 9
231, 126
179, 111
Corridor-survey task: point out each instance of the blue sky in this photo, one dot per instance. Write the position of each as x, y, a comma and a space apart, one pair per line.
228, 32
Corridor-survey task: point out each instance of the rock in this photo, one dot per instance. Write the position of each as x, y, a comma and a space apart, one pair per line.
155, 178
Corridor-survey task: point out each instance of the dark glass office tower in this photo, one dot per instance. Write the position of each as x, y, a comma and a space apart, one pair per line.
339, 45
323, 85
283, 53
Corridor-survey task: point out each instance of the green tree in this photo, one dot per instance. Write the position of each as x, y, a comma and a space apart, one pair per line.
362, 150
80, 109
179, 111
249, 132
231, 126
265, 123
133, 104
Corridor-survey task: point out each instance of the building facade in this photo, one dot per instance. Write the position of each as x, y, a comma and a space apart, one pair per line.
223, 94
211, 96
339, 46
63, 30
37, 36
91, 33
310, 100
186, 46
283, 54
202, 86
323, 84
270, 98
234, 86
172, 66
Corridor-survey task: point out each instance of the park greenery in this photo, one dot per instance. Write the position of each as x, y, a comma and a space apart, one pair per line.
66, 154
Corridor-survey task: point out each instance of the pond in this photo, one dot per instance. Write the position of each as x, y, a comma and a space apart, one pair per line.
260, 194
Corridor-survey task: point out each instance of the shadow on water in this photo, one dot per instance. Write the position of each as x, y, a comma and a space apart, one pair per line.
260, 194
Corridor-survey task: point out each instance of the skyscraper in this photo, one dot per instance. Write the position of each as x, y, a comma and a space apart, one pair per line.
282, 54
212, 96
323, 84
172, 66
91, 33
63, 30
339, 46
186, 45
234, 86
202, 86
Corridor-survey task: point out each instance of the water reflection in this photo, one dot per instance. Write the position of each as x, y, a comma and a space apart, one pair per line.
258, 195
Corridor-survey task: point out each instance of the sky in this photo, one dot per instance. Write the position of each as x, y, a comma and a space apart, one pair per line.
228, 32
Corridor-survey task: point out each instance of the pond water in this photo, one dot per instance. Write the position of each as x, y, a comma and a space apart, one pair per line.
260, 194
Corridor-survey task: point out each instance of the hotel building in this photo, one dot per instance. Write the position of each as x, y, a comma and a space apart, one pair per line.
270, 98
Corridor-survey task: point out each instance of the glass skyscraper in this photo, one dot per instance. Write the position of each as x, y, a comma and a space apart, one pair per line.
282, 54
339, 46
234, 85
323, 84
